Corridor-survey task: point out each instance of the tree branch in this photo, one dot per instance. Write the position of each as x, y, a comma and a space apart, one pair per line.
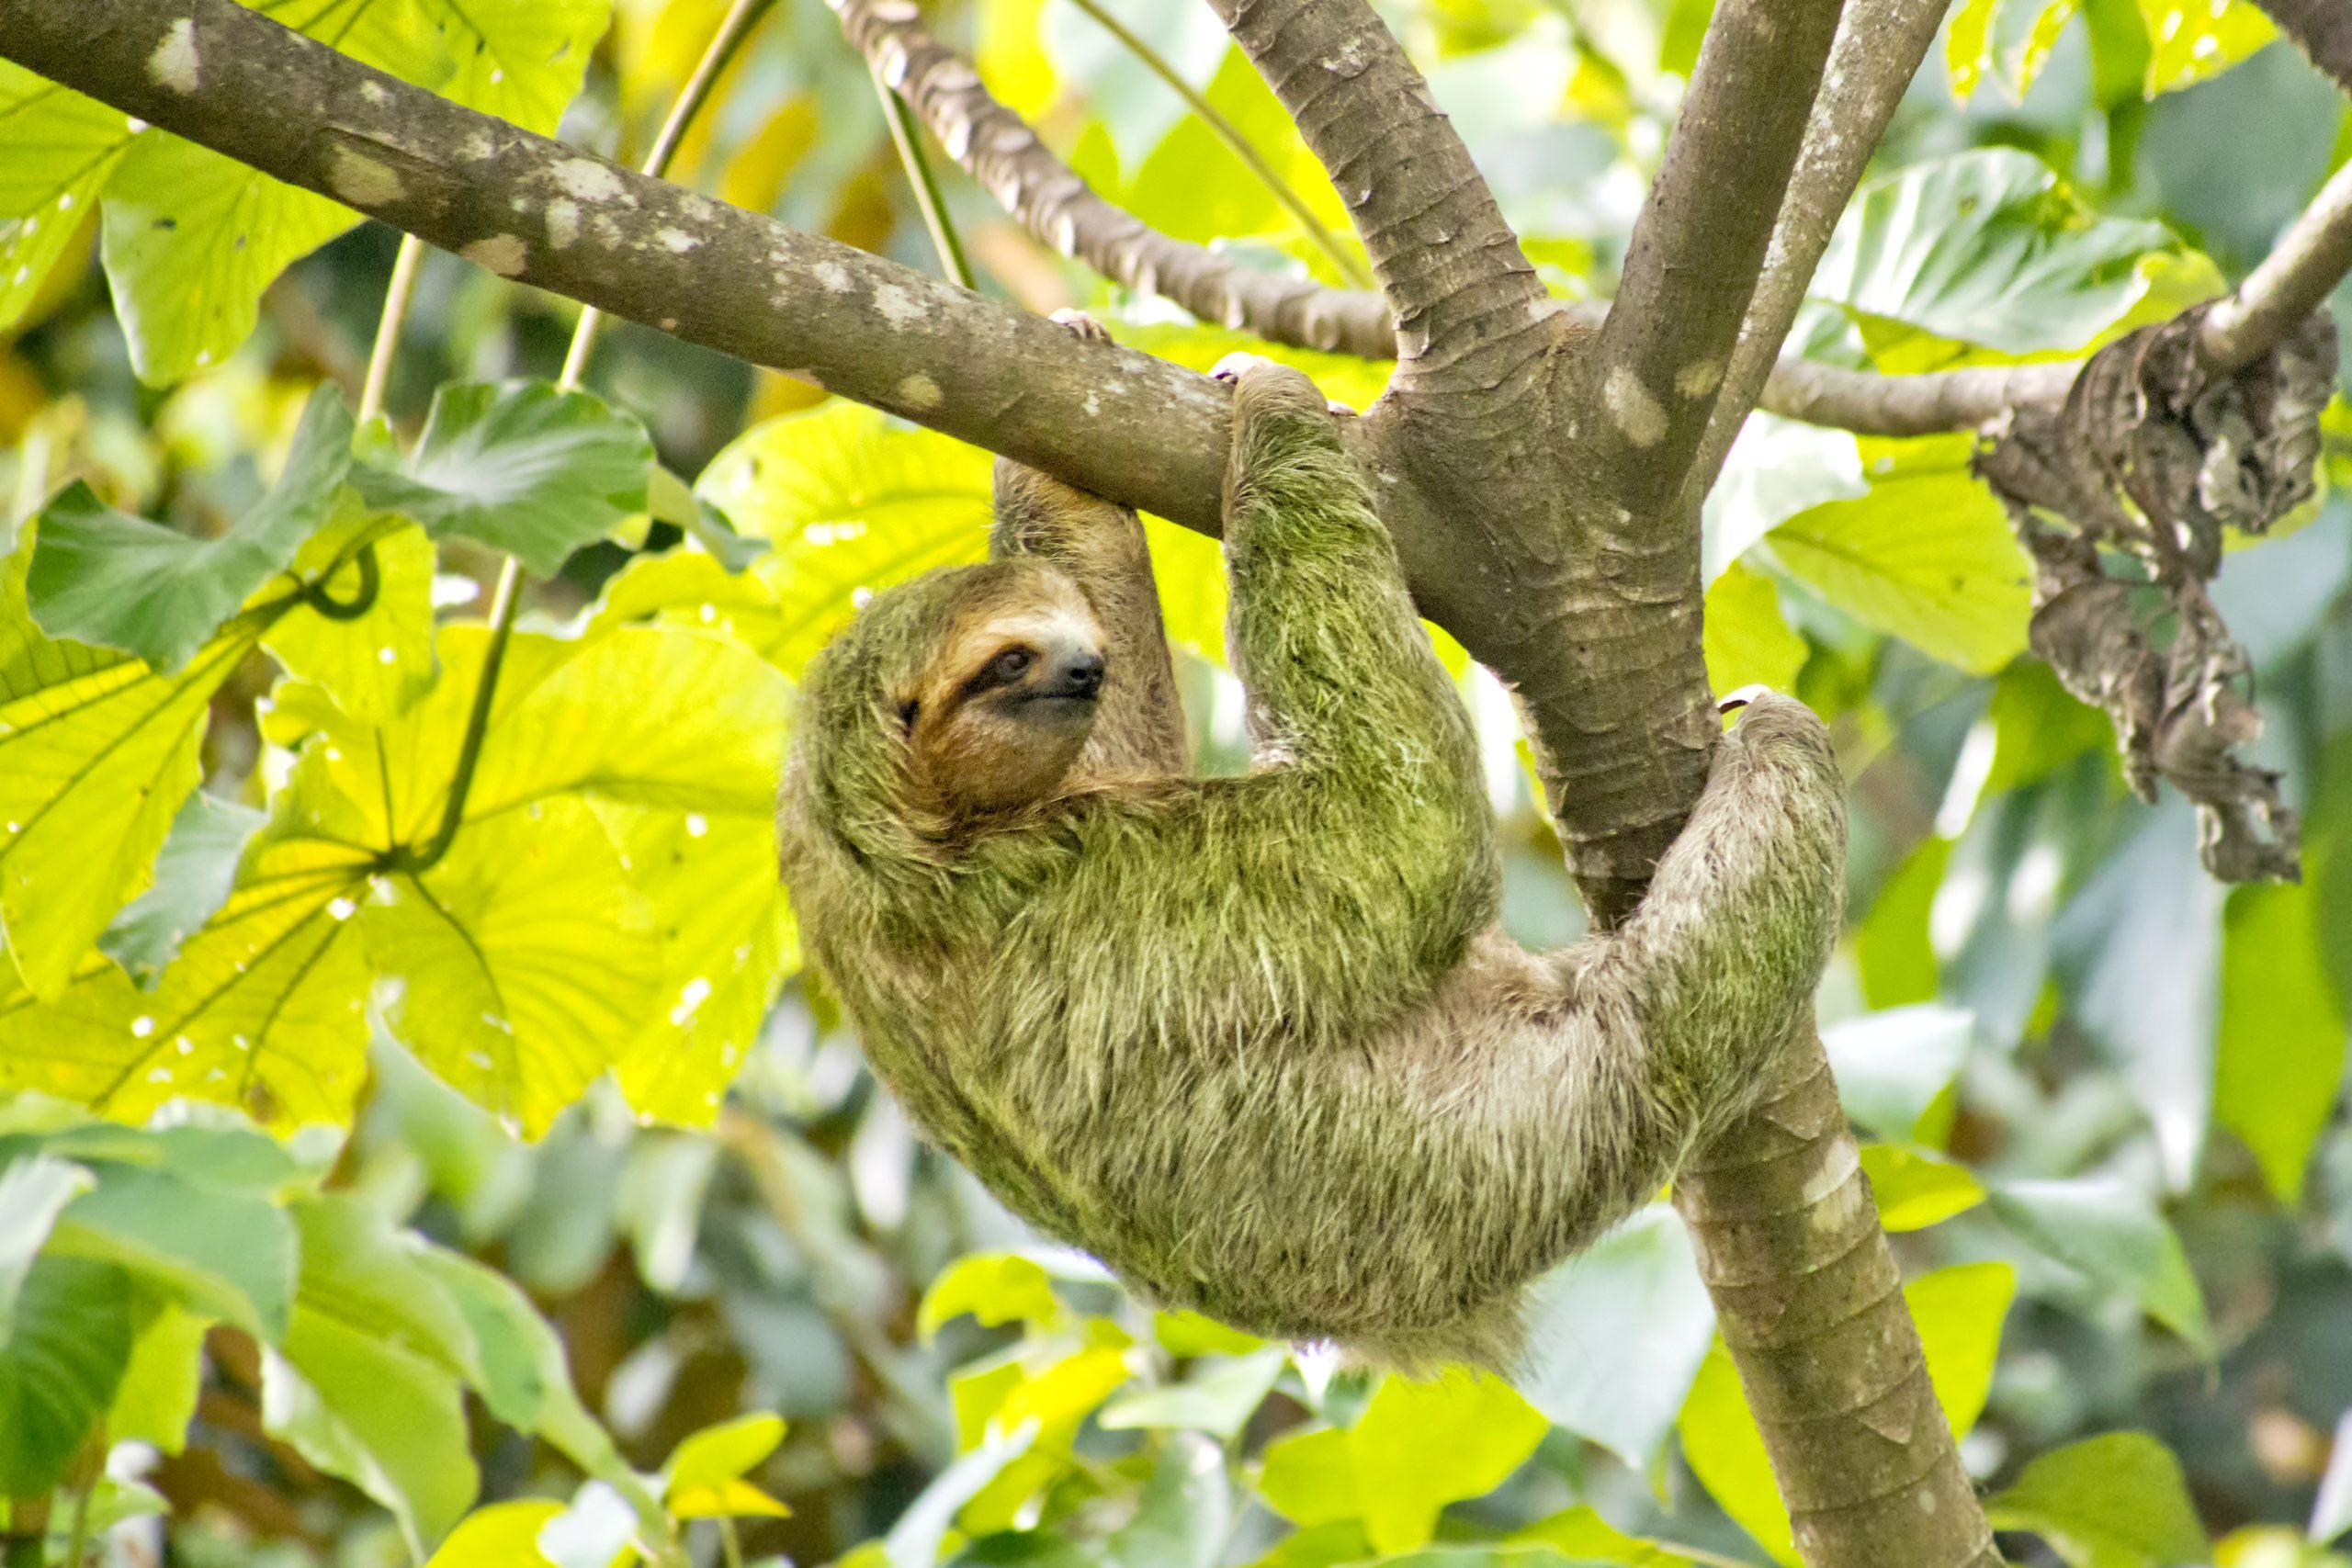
1878, 49
2292, 281
1870, 404
1698, 248
997, 148
1470, 309
2322, 29
1122, 423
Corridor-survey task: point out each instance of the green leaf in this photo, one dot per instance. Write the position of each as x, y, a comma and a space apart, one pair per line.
194, 873
1926, 556
367, 1387
2003, 40
1959, 1311
61, 149
59, 1366
728, 941
722, 1453
853, 501
377, 662
647, 715
1182, 1334
524, 466
1419, 1446
2281, 1053
1185, 1511
1747, 638
1638, 1290
1915, 1188
2117, 1501
190, 240
1309, 1478
263, 1010
686, 587
521, 960
223, 1255
102, 575
157, 1396
95, 755
33, 1188
1893, 1065
2192, 39
1987, 247
1775, 470
1218, 1397
500, 1536
994, 1288
1584, 1537
914, 1540
2112, 1233
523, 63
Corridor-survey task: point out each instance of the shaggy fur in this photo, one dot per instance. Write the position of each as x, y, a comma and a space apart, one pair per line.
1258, 1042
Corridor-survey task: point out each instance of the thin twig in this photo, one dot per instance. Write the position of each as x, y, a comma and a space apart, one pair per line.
1353, 270
919, 179
397, 295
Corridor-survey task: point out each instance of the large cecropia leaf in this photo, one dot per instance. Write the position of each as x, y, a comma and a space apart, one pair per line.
61, 149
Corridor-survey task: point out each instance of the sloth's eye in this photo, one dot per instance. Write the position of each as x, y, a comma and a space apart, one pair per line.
1009, 665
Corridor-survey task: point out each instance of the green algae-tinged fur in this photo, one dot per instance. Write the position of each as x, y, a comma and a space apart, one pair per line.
1258, 1042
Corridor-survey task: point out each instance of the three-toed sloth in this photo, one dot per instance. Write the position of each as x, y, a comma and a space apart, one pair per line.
1257, 1042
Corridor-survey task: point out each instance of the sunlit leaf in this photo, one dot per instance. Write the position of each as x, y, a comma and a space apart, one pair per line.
500, 1536
526, 466
194, 873
993, 1288
156, 1399
2192, 39
2114, 1235
379, 660
191, 240
1584, 1537
1777, 467
1915, 1188
61, 149
521, 960
523, 63
1926, 556
2007, 41
95, 755
712, 1459
853, 501
101, 576
1618, 1333
2281, 1059
2117, 1501
1419, 1446
1309, 1478
1748, 640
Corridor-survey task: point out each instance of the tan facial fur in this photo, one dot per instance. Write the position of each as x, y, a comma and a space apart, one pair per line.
1003, 706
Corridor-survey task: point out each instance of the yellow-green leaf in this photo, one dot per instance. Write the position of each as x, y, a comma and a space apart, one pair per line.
501, 1536
1748, 640
1309, 1478
2116, 1501
722, 1453
1917, 1189
522, 958
377, 662
62, 148
994, 1288
1419, 1446
2282, 1048
1926, 556
2192, 39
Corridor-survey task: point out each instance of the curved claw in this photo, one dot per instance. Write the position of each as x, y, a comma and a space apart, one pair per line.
1084, 325
1742, 697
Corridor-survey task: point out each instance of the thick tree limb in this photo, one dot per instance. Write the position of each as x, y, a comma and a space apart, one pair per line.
1469, 305
2292, 281
1878, 49
1120, 422
1052, 202
1870, 404
2322, 29
1698, 246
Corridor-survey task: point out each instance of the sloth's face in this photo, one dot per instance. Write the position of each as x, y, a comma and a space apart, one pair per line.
1008, 697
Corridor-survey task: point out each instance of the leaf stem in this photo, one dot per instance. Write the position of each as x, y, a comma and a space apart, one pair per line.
730, 1541
733, 29
77, 1550
1230, 134
943, 239
397, 295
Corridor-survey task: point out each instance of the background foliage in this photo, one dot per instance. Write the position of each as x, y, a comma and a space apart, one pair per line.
399, 1163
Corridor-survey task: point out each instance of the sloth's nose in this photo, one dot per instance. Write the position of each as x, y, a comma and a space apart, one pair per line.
1075, 674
